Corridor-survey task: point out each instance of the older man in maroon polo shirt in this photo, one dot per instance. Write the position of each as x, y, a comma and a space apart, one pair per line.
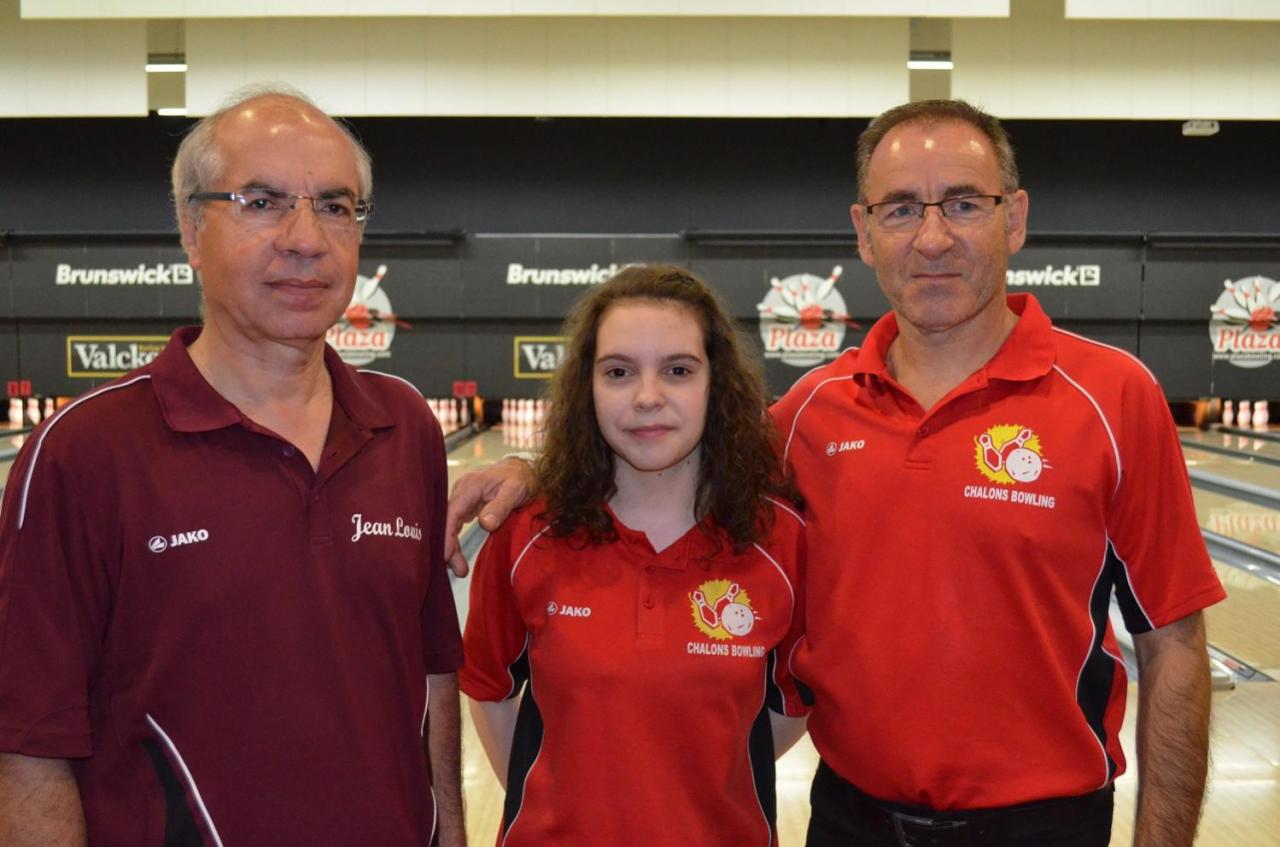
224, 610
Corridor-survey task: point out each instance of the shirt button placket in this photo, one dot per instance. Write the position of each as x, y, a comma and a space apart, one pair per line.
650, 617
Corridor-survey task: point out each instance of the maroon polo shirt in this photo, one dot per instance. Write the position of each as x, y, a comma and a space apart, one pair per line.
232, 647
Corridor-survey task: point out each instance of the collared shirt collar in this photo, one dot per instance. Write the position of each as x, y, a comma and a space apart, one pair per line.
190, 403
1028, 353
702, 543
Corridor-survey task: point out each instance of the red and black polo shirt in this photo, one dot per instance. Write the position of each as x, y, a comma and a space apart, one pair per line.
647, 680
961, 562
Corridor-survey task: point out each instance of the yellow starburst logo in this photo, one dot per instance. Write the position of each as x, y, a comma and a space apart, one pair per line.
722, 610
1009, 454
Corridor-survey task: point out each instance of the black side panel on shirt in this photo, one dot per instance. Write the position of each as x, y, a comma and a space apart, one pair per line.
525, 744
1098, 674
760, 748
772, 693
1135, 620
519, 670
180, 829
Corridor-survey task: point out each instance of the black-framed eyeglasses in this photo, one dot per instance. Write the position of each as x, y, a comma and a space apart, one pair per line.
908, 214
337, 212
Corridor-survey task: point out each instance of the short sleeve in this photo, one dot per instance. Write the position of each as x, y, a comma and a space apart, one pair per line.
1164, 571
496, 639
441, 639
55, 600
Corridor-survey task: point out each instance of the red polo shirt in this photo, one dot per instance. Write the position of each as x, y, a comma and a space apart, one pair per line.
232, 647
650, 678
961, 562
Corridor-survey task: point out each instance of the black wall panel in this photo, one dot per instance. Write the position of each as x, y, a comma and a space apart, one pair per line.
659, 175
9, 366
101, 280
1184, 281
579, 177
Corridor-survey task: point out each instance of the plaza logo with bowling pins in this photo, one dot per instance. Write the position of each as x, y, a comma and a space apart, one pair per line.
803, 319
1244, 322
368, 326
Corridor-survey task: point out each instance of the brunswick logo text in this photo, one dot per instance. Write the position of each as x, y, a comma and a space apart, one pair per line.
178, 273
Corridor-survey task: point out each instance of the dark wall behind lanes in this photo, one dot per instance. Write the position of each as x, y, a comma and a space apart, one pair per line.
659, 175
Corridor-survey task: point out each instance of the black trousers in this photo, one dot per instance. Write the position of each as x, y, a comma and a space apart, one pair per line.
843, 816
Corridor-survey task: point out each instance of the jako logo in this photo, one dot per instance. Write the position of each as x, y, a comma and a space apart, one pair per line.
568, 611
835, 447
158, 543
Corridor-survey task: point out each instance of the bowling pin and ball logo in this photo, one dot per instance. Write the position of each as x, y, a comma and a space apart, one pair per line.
368, 326
1009, 454
803, 319
722, 610
1244, 322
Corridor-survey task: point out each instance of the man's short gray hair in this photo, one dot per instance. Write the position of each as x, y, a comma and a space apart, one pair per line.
199, 161
931, 112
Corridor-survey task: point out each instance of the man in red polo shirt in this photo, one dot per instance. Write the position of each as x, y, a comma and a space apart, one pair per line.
224, 612
968, 687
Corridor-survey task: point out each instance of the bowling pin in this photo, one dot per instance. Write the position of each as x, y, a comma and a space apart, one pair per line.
33, 410
15, 411
1260, 415
1243, 417
48, 408
1228, 413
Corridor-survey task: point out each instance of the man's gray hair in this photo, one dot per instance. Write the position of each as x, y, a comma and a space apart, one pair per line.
199, 161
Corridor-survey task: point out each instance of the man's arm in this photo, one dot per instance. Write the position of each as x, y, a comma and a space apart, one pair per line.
39, 803
1173, 731
444, 748
492, 493
496, 725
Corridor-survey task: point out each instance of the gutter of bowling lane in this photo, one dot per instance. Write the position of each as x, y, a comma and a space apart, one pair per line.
1249, 433
1237, 489
1191, 444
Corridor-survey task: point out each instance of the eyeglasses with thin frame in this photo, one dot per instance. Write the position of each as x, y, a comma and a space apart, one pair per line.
337, 212
904, 215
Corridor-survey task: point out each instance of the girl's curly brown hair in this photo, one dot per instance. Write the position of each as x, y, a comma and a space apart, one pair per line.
740, 464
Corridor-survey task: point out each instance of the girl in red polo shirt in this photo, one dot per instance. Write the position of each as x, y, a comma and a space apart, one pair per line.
629, 639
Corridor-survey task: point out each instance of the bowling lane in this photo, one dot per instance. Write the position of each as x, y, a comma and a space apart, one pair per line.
477, 452
1239, 520
8, 452
1242, 467
484, 794
1243, 800
1243, 444
1245, 626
